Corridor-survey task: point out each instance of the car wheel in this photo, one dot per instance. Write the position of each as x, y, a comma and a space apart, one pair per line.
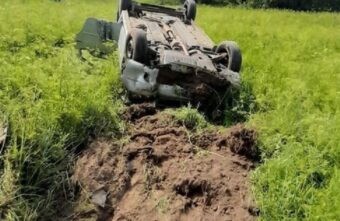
233, 60
123, 5
137, 46
190, 9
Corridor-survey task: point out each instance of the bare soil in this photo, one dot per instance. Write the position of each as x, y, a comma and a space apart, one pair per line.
163, 171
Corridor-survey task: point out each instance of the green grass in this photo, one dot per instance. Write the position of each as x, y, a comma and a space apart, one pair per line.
292, 63
189, 117
53, 102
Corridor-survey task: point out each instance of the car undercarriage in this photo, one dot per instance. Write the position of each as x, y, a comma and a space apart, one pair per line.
164, 55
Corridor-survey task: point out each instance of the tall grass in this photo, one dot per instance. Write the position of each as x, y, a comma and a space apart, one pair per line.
292, 63
52, 102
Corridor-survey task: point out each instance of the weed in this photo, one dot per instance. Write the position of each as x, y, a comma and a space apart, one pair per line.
163, 205
201, 153
189, 117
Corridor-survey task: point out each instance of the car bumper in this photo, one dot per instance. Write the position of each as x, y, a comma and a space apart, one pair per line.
141, 80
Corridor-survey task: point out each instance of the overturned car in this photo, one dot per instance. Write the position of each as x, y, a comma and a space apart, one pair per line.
165, 56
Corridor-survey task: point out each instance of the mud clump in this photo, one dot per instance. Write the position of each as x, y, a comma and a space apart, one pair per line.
137, 111
163, 173
192, 187
242, 141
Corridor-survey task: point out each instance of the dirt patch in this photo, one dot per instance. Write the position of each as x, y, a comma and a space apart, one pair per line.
165, 172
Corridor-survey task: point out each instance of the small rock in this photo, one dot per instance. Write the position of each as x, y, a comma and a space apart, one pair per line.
99, 198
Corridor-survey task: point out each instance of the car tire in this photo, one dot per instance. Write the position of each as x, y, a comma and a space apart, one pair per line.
123, 5
137, 46
233, 61
190, 9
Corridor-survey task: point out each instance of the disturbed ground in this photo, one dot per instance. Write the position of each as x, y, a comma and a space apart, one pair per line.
163, 171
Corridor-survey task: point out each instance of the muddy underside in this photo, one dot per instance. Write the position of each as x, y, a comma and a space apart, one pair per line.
163, 171
202, 88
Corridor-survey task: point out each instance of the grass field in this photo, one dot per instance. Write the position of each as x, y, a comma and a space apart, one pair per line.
292, 62
52, 102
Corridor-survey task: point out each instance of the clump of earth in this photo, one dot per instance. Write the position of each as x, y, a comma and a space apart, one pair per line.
163, 171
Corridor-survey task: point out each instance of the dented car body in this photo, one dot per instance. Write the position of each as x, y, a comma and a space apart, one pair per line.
164, 55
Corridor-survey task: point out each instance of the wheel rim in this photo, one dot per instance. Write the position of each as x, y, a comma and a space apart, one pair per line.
225, 60
129, 49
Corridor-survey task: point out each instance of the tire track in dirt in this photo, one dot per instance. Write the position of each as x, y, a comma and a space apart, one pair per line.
166, 172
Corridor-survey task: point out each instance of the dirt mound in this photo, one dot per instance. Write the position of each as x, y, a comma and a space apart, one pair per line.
164, 172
